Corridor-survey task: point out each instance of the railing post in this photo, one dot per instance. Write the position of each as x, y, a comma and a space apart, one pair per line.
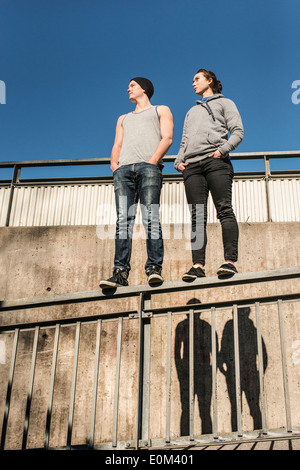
261, 367
143, 401
117, 385
73, 386
9, 388
237, 371
51, 388
267, 180
14, 181
214, 372
191, 374
284, 368
95, 385
30, 387
169, 367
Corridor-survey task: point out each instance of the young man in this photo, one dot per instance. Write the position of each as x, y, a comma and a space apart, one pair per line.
142, 138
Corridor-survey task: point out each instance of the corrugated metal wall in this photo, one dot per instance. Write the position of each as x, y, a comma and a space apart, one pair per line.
93, 203
4, 198
285, 200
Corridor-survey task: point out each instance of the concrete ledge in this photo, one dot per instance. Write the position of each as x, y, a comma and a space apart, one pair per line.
166, 287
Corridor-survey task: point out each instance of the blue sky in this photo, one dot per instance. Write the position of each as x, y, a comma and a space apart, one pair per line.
66, 65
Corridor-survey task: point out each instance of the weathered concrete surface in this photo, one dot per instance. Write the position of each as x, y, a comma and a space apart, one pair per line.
36, 262
39, 261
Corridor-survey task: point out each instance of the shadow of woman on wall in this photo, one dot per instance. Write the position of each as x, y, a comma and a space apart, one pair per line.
249, 373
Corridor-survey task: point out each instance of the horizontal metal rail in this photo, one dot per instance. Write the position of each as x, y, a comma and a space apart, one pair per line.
166, 287
17, 166
176, 177
145, 313
167, 158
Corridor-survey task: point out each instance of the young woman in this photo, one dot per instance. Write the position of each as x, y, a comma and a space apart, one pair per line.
204, 161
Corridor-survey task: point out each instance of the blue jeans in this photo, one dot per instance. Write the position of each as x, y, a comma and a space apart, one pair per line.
132, 183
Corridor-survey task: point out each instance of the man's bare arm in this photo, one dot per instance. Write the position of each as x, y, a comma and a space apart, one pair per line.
166, 130
115, 153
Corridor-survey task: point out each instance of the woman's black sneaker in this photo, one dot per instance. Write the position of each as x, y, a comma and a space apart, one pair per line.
193, 273
226, 269
118, 279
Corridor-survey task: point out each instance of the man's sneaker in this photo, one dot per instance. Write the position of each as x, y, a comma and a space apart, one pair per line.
226, 269
193, 273
154, 276
118, 279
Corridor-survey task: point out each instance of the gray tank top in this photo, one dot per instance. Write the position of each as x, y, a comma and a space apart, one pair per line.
141, 136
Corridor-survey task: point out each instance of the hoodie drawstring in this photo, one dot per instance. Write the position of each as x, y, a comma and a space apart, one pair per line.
208, 108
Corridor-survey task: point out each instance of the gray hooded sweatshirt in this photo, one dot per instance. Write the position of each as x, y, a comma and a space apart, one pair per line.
206, 129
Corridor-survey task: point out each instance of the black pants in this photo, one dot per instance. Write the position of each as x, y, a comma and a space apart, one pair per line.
214, 175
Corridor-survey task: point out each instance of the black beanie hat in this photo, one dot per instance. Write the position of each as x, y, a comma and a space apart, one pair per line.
145, 84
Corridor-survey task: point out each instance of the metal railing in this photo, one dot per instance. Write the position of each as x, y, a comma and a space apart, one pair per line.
145, 315
17, 166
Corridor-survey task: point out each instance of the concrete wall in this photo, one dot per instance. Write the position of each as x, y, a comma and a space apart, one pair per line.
36, 262
39, 261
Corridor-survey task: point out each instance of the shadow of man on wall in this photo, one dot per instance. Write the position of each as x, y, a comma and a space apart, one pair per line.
249, 373
202, 370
